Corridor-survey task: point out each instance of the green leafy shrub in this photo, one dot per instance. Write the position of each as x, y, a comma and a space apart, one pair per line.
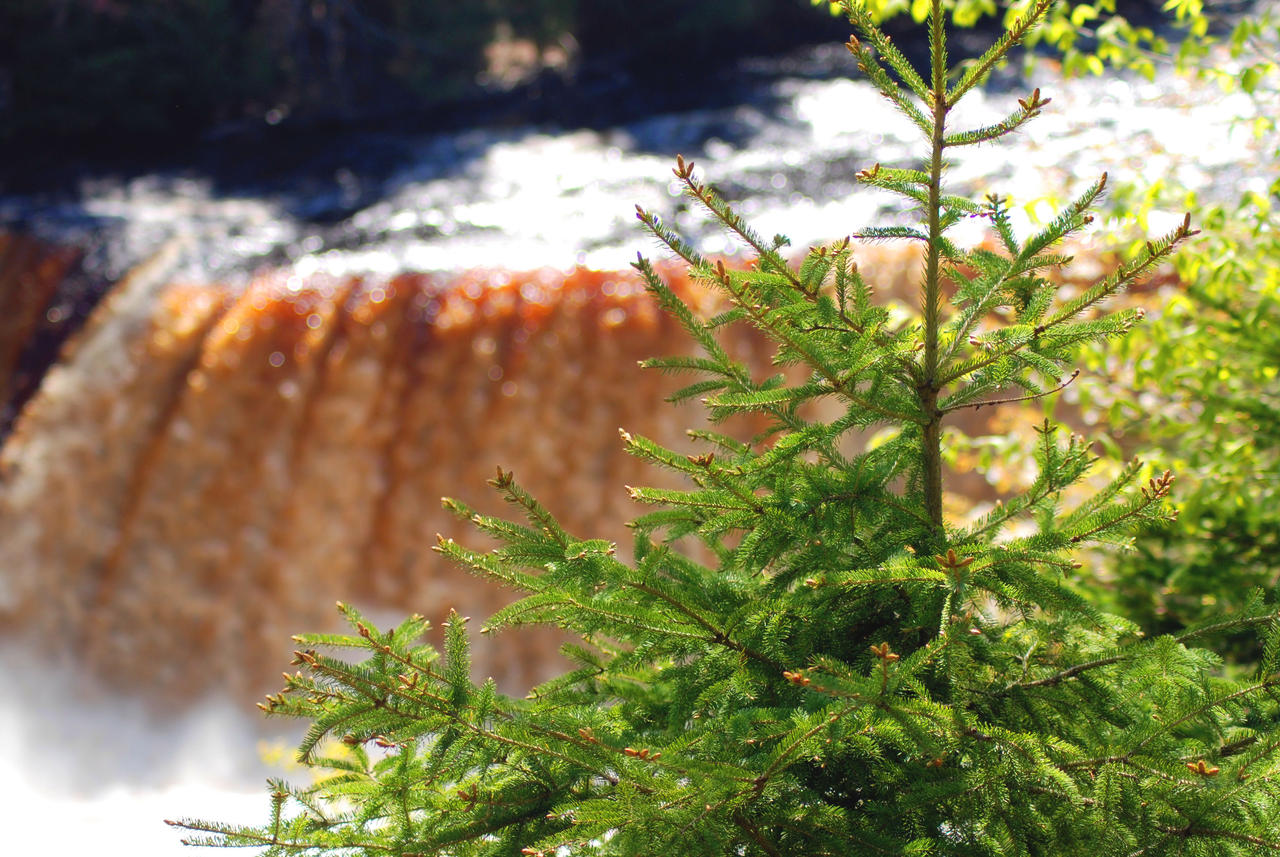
1201, 389
850, 673
1090, 36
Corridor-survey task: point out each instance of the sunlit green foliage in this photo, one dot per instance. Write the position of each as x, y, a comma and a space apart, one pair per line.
1089, 36
804, 656
1201, 389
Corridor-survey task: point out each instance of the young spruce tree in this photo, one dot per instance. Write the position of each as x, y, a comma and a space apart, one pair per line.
853, 674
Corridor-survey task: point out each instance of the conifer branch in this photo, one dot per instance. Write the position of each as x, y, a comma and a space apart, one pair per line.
783, 757
453, 712
1191, 832
1154, 492
1201, 710
1123, 276
1030, 109
769, 258
1049, 482
869, 66
883, 233
997, 52
857, 15
719, 637
838, 385
1029, 398
754, 832
1097, 663
897, 503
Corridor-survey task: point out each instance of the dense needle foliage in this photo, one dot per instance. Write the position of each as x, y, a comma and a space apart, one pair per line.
834, 668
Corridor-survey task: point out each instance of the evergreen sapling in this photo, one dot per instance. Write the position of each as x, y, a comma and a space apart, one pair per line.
850, 673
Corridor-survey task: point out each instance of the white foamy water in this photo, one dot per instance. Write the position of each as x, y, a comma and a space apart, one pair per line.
88, 771
535, 196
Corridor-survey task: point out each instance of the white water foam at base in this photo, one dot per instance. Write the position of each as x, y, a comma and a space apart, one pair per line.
87, 771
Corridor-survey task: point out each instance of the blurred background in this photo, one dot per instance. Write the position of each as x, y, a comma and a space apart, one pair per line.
276, 275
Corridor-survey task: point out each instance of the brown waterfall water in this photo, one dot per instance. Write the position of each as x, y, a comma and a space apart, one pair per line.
208, 469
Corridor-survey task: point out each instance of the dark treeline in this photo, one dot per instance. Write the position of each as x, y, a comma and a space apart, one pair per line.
110, 76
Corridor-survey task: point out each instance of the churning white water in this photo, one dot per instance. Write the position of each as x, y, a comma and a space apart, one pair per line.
527, 197
91, 771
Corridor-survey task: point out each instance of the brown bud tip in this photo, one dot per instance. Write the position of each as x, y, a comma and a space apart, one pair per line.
1202, 768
